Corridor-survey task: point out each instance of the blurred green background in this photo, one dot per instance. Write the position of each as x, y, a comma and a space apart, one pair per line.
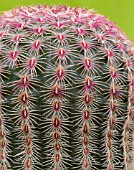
119, 11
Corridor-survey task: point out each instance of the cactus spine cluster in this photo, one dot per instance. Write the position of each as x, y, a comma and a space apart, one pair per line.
66, 91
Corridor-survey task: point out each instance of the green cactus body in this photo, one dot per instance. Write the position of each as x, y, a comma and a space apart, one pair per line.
66, 92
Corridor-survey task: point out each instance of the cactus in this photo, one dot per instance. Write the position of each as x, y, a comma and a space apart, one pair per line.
66, 92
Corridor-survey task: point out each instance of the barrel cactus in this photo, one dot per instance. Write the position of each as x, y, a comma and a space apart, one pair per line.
66, 91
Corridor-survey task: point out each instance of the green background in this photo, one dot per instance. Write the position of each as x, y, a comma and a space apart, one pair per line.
119, 11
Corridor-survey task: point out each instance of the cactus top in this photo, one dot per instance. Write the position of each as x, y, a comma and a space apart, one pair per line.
63, 17
60, 17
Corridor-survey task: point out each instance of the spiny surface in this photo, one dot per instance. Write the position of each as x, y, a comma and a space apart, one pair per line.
66, 90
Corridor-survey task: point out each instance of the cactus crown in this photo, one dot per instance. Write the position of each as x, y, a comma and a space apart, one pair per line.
66, 90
